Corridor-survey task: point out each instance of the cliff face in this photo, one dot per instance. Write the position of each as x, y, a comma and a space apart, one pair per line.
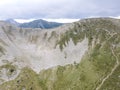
80, 56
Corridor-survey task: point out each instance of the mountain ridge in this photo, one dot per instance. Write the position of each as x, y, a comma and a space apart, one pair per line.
39, 23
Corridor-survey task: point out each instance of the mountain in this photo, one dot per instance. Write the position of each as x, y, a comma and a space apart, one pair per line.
12, 21
40, 24
35, 24
84, 55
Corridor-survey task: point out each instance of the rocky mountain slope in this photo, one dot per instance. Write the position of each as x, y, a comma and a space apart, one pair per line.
84, 55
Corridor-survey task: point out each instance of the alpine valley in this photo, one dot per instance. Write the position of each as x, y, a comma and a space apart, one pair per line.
83, 55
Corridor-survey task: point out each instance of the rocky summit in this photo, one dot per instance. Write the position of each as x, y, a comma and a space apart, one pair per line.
83, 55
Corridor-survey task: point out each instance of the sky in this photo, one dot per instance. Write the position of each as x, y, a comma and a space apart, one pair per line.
58, 9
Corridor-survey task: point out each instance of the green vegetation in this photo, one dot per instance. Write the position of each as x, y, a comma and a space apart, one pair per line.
27, 80
10, 69
113, 82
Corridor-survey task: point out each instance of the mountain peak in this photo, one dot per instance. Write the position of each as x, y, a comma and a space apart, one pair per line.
39, 23
12, 21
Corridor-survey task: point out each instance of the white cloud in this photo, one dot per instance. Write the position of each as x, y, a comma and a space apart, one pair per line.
23, 20
117, 17
50, 20
26, 9
62, 20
